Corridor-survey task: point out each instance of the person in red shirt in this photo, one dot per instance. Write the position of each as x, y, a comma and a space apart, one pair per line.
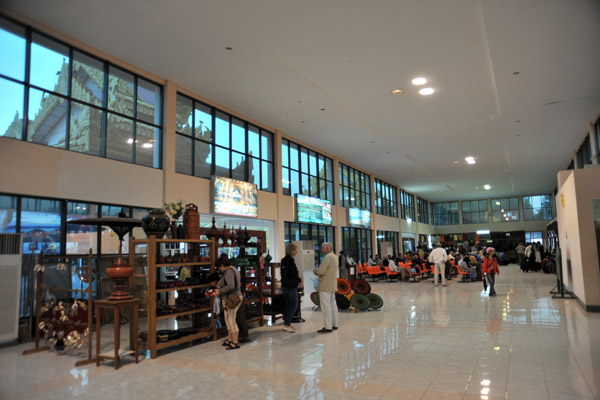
489, 267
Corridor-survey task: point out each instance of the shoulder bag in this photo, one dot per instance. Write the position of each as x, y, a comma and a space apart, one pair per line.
233, 300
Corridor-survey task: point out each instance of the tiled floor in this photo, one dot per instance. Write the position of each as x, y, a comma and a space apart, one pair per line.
425, 343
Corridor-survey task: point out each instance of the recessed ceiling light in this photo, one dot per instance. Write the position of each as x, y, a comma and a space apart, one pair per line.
487, 187
372, 141
517, 121
322, 109
516, 73
147, 145
470, 160
419, 81
497, 203
455, 162
397, 91
426, 91
228, 48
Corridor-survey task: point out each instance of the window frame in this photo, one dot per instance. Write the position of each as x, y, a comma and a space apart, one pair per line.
386, 198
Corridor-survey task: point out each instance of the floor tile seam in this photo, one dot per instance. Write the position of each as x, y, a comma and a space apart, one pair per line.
578, 367
440, 368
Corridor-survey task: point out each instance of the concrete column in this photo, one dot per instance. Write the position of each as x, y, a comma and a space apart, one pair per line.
593, 143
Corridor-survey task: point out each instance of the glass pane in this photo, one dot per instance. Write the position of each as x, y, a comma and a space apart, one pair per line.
119, 138
466, 206
203, 159
120, 91
221, 162
87, 79
312, 161
81, 238
305, 187
294, 156
47, 119
267, 176
8, 214
313, 186
203, 122
149, 103
12, 49
147, 145
285, 157
304, 160
11, 108
85, 134
329, 163
238, 166
222, 131
238, 136
266, 142
254, 173
183, 115
183, 151
514, 203
295, 182
40, 225
49, 67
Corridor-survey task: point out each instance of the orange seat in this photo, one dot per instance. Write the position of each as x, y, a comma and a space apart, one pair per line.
391, 275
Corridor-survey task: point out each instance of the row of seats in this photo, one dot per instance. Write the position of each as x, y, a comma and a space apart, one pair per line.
422, 272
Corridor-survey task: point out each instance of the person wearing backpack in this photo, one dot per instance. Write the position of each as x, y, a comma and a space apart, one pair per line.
231, 298
290, 281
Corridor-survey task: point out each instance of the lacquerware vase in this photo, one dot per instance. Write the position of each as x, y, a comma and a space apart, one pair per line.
156, 223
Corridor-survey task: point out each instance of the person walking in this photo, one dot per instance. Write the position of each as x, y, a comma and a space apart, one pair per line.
490, 269
439, 257
327, 287
290, 281
229, 288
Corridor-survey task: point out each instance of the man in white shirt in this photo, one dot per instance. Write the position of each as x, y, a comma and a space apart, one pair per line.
370, 262
439, 257
392, 265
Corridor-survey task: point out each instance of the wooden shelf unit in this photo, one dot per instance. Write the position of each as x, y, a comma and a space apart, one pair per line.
153, 247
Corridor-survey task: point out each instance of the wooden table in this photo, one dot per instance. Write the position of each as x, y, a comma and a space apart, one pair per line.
115, 305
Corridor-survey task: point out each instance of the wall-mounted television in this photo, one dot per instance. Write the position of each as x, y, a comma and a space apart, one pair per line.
231, 197
313, 210
358, 217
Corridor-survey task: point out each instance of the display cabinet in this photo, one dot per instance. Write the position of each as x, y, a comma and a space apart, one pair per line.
175, 273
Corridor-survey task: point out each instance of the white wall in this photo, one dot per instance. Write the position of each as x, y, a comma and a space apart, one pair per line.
576, 232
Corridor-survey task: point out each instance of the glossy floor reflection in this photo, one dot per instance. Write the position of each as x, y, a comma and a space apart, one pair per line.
426, 343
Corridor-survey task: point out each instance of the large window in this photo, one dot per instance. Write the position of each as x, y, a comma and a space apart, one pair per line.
355, 188
356, 243
475, 212
317, 233
386, 202
446, 213
584, 154
408, 205
505, 210
422, 211
305, 171
537, 207
211, 142
56, 95
389, 237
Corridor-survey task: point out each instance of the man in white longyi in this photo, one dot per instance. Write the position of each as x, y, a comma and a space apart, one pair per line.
327, 287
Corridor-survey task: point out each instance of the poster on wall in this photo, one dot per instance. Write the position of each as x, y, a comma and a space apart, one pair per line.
358, 217
313, 210
231, 197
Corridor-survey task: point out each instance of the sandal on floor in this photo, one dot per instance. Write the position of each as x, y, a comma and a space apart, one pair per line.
232, 346
225, 343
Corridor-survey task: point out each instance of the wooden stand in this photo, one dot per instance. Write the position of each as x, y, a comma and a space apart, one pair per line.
115, 305
153, 247
38, 303
273, 292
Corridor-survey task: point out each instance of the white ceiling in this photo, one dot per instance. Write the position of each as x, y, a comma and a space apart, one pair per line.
292, 58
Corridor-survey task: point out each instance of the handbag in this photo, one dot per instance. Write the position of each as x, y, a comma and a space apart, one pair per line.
233, 300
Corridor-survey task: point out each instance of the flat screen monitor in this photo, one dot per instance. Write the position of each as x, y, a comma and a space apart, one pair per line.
231, 197
358, 217
313, 210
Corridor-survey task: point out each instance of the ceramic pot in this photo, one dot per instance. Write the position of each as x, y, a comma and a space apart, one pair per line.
156, 223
